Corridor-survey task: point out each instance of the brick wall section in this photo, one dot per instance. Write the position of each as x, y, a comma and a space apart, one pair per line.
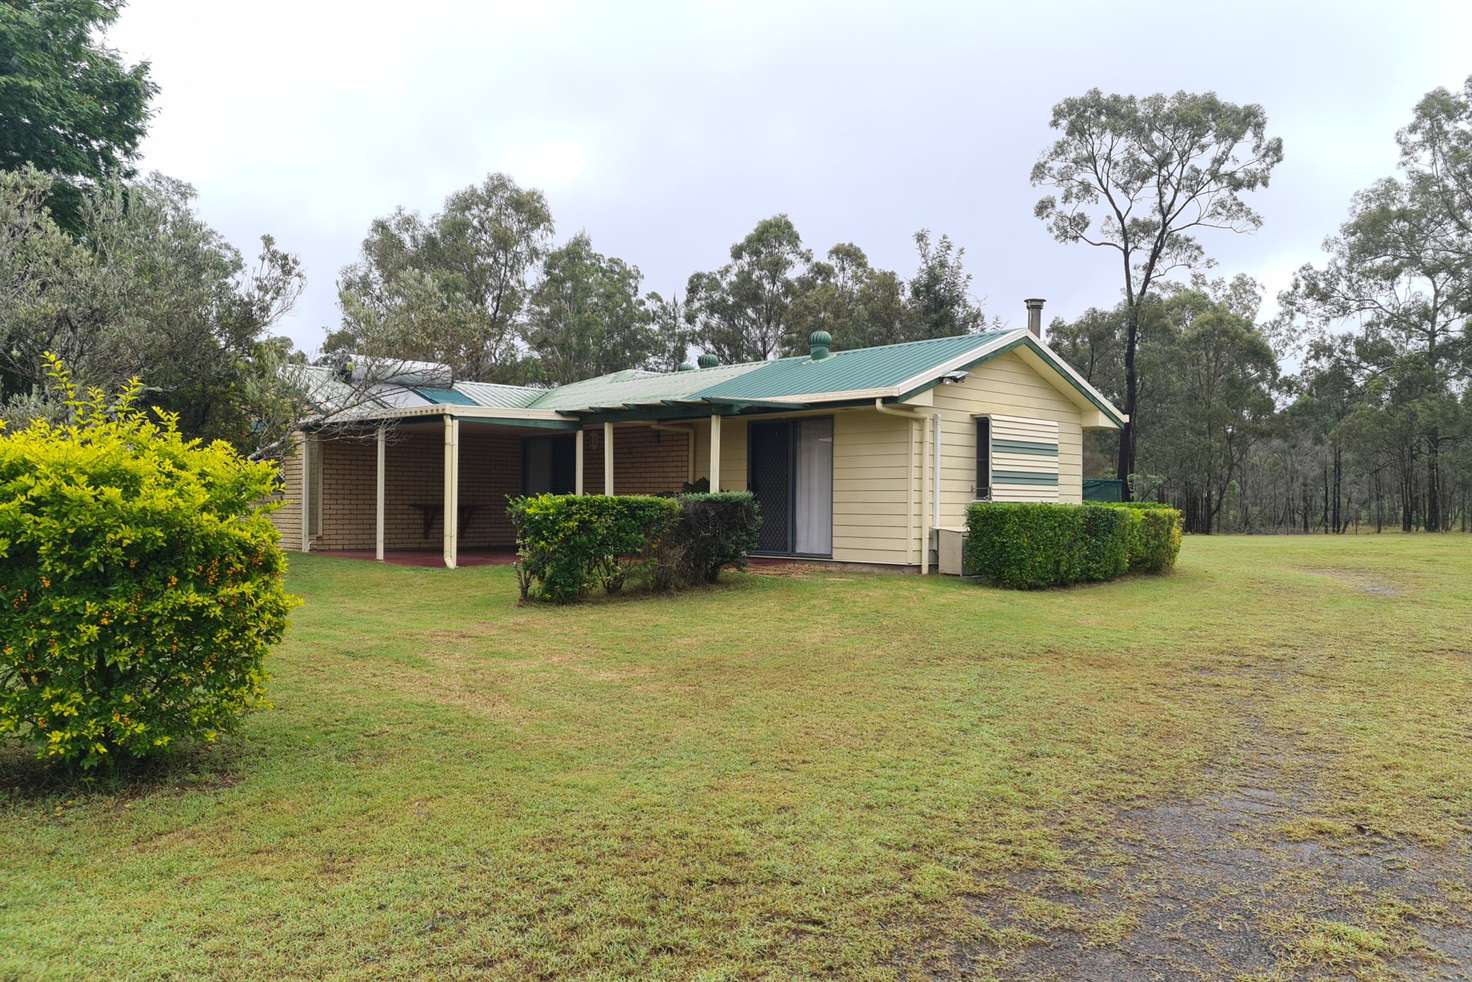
490, 471
645, 460
288, 518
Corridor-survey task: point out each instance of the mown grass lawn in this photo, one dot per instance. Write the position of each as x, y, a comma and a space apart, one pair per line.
844, 774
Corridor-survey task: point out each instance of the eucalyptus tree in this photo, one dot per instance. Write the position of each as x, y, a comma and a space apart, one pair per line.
1436, 156
1217, 372
450, 288
939, 293
827, 298
672, 335
742, 311
1390, 273
69, 105
147, 290
1141, 177
585, 316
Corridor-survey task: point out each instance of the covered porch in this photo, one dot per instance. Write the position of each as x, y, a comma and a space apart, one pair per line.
381, 490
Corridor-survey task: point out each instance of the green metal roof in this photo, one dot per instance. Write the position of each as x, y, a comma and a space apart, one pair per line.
848, 371
843, 371
784, 383
638, 388
499, 396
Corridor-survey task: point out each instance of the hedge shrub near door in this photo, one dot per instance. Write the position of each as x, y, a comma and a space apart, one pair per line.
1029, 546
716, 531
569, 544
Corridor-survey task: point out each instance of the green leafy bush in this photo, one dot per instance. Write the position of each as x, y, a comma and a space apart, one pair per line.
1025, 546
715, 531
1154, 536
140, 580
567, 544
1029, 546
1106, 542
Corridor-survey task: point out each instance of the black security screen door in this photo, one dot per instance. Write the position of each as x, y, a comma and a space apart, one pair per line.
770, 480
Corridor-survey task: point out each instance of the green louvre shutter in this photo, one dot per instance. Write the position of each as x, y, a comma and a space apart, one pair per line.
1024, 459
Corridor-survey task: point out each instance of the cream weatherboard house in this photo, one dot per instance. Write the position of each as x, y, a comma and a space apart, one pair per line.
855, 456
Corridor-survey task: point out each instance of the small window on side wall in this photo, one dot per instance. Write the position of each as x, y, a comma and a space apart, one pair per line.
983, 458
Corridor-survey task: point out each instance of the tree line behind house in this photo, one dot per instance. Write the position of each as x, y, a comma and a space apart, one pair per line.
1348, 406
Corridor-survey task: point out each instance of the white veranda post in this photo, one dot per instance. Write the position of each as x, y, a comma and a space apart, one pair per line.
577, 486
608, 458
450, 514
715, 453
378, 500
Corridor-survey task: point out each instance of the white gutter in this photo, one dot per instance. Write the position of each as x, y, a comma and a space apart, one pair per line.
443, 409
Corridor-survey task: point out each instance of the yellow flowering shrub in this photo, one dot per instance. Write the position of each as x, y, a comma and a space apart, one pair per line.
141, 582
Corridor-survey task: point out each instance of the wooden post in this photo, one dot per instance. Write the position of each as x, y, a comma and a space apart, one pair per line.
715, 454
608, 458
378, 514
450, 519
577, 486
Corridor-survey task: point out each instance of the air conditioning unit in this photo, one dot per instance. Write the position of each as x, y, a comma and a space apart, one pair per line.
951, 550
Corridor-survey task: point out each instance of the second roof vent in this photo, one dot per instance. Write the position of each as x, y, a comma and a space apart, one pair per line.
818, 344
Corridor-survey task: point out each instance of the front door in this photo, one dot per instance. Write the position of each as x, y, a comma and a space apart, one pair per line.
769, 471
790, 472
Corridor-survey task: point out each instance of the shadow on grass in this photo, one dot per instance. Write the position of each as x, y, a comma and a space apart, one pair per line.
199, 767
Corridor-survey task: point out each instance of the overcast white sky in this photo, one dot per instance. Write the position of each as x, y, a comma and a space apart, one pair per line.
666, 130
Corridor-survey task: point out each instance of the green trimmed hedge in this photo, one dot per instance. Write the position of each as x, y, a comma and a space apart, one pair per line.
569, 544
1154, 536
716, 530
1106, 543
1030, 546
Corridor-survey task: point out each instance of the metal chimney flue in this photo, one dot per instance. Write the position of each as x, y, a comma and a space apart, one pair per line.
1035, 316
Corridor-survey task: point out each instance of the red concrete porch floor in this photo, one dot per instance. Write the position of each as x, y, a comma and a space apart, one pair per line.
506, 555
428, 557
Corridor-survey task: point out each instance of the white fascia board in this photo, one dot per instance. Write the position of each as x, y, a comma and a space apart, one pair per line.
444, 409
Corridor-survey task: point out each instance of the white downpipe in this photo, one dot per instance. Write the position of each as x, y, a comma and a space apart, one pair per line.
928, 520
924, 421
935, 484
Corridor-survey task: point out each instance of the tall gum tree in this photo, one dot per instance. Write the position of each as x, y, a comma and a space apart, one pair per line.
1141, 177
